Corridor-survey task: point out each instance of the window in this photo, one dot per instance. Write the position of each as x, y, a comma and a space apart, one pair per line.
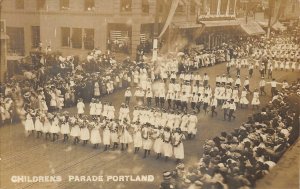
65, 37
223, 6
88, 39
180, 8
89, 5
2, 26
213, 6
64, 4
35, 36
126, 5
16, 40
193, 8
19, 4
77, 38
145, 6
41, 4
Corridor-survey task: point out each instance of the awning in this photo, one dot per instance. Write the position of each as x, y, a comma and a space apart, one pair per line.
220, 23
4, 36
186, 25
278, 26
252, 28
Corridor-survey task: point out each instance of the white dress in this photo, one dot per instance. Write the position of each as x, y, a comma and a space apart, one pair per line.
95, 136
158, 143
255, 100
75, 131
47, 126
106, 136
125, 137
38, 125
84, 133
92, 108
29, 125
192, 125
167, 146
54, 127
147, 142
96, 89
178, 147
137, 137
80, 108
65, 128
244, 99
98, 109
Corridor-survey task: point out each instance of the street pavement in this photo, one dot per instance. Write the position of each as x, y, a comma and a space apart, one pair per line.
29, 156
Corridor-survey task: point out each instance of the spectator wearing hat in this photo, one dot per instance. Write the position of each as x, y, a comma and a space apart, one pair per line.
128, 95
167, 183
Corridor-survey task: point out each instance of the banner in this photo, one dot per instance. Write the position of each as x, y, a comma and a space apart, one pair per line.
170, 17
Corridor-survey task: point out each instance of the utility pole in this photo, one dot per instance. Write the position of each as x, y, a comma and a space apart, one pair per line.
155, 34
270, 18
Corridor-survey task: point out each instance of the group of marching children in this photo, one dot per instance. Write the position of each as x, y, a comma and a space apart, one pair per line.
150, 129
189, 90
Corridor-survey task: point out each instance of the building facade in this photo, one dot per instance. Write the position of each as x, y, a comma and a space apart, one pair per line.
77, 26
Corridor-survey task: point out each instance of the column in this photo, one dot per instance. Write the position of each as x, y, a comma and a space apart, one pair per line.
135, 38
219, 7
234, 7
227, 9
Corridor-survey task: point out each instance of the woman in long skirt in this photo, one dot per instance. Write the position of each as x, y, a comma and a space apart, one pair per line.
95, 135
96, 90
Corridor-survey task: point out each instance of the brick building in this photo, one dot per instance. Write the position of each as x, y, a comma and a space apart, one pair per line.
77, 26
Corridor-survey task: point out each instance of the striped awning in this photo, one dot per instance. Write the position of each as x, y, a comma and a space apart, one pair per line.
252, 28
220, 23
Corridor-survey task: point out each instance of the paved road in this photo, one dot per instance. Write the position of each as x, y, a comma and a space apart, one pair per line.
21, 155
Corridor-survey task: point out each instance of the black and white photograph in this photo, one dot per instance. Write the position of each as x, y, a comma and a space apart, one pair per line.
149, 94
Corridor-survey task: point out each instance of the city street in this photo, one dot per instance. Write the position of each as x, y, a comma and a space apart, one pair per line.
29, 156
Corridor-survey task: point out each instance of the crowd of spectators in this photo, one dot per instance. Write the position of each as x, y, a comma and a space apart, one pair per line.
238, 159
